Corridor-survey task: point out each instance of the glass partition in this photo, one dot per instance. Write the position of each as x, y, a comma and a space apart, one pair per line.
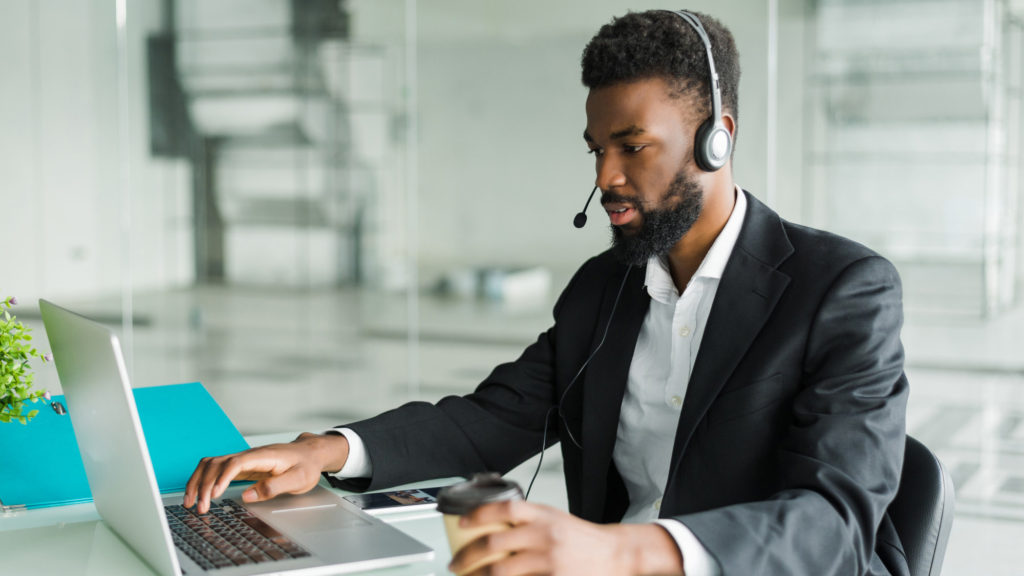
899, 126
913, 124
66, 218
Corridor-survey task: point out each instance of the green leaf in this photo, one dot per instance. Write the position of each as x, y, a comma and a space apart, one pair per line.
4, 417
32, 414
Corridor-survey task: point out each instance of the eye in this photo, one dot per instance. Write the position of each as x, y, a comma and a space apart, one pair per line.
596, 152
632, 149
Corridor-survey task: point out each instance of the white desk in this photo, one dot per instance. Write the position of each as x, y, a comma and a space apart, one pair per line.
73, 540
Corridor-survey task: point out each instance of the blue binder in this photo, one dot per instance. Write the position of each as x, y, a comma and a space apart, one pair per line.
40, 465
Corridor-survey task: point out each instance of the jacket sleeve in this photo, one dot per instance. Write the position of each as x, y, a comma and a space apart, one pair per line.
842, 453
495, 428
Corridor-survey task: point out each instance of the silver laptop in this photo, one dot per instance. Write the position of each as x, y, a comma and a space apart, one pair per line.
312, 533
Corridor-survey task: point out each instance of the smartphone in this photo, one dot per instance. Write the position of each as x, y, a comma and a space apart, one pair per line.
396, 500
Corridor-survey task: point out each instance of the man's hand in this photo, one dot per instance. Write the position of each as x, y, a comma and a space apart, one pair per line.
291, 468
543, 540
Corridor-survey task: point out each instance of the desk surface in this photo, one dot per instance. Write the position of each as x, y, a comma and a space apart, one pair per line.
73, 539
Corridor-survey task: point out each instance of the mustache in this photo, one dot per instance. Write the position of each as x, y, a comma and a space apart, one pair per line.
612, 197
616, 198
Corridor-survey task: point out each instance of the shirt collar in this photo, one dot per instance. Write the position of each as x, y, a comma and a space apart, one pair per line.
659, 282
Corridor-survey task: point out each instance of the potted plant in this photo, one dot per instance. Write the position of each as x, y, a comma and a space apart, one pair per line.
15, 372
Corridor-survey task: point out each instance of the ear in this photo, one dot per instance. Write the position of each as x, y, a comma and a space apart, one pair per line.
730, 124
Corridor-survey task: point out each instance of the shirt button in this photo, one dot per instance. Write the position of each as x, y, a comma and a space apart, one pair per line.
657, 504
684, 331
676, 401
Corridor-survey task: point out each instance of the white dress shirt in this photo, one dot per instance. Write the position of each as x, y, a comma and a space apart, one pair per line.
663, 359
656, 387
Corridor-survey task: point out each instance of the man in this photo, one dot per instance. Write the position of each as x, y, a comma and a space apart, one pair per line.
727, 384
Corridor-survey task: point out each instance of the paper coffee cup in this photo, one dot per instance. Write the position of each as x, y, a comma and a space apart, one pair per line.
458, 499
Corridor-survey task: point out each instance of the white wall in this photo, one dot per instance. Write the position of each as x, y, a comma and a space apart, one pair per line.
61, 195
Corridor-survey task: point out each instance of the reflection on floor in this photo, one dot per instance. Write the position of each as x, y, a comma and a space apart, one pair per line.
308, 360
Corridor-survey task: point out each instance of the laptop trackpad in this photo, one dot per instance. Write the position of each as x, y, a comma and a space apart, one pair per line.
303, 520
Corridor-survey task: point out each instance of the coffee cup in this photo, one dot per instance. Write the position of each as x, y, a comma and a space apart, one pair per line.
459, 499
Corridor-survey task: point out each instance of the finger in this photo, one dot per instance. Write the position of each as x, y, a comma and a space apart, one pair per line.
521, 538
207, 479
295, 480
208, 476
518, 565
220, 471
525, 537
191, 487
253, 466
508, 512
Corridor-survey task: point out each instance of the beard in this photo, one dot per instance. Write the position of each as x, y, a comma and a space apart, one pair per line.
662, 227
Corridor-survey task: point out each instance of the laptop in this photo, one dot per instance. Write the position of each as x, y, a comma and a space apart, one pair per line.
313, 533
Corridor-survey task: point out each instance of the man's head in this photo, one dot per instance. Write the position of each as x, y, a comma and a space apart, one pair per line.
660, 44
649, 91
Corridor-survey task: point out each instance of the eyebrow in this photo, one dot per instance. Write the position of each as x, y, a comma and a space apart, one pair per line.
633, 130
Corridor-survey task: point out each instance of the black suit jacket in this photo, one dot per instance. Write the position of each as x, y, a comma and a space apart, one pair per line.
790, 441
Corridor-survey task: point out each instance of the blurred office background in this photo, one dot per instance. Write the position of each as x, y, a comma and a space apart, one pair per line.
323, 208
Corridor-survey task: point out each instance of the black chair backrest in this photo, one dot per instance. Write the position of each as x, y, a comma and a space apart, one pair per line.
923, 509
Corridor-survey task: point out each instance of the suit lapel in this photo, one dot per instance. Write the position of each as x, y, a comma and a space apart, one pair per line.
747, 294
604, 384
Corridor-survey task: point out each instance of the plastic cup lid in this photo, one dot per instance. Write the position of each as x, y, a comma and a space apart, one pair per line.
482, 489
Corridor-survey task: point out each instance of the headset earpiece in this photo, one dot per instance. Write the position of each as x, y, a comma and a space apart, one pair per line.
712, 145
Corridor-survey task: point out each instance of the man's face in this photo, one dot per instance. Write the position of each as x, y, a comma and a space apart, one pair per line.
642, 139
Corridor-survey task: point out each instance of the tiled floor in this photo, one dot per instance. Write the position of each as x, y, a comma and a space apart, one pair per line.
305, 360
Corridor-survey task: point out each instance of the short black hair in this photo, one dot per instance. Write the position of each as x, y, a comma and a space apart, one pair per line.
660, 44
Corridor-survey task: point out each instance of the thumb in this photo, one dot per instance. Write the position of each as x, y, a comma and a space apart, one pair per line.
251, 494
290, 482
263, 490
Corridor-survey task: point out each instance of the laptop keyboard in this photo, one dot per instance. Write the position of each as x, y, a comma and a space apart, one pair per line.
229, 535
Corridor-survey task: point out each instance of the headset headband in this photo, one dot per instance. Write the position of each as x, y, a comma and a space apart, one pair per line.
716, 91
712, 144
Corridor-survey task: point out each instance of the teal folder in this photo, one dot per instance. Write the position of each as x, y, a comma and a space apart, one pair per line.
40, 465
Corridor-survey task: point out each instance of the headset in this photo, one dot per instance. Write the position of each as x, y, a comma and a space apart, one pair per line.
712, 145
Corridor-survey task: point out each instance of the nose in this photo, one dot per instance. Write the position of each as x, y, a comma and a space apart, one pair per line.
609, 173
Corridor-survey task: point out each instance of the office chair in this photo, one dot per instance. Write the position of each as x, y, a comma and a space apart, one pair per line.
923, 509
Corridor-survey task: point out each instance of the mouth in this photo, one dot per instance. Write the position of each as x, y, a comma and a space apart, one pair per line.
620, 213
